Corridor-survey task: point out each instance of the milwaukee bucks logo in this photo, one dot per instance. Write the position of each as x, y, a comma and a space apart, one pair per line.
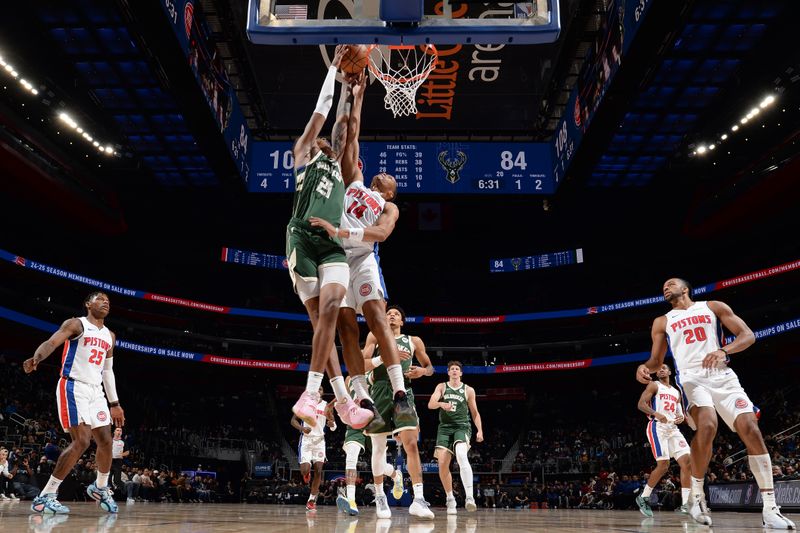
452, 166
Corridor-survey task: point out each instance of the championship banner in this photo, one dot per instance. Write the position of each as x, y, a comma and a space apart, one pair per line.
541, 366
492, 319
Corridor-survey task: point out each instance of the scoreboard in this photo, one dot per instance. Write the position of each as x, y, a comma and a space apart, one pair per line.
536, 262
425, 167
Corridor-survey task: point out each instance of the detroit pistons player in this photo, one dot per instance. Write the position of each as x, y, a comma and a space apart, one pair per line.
86, 363
369, 218
692, 332
661, 402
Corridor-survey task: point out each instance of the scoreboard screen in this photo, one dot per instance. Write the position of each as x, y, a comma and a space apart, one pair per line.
256, 259
425, 167
536, 262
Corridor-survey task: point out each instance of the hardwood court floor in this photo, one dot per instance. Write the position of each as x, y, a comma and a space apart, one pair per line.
204, 518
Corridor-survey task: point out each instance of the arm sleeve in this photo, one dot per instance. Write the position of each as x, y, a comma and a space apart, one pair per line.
325, 100
109, 381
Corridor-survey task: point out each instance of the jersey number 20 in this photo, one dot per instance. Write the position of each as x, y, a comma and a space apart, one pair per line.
694, 335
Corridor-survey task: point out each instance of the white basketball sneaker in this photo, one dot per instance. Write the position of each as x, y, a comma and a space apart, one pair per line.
451, 506
421, 509
773, 519
698, 510
470, 505
382, 506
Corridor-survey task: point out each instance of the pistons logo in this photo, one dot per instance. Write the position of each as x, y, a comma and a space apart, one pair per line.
102, 416
682, 444
365, 289
741, 403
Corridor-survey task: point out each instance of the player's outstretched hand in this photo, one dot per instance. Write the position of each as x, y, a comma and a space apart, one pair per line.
415, 372
29, 365
341, 50
324, 224
643, 374
118, 416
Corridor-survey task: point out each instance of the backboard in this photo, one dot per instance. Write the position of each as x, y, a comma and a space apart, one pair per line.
402, 22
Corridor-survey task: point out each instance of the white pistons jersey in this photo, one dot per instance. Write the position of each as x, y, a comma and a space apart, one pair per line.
692, 334
83, 356
362, 207
667, 402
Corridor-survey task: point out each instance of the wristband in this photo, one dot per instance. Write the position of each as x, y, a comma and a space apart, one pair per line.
356, 234
113, 404
723, 350
376, 362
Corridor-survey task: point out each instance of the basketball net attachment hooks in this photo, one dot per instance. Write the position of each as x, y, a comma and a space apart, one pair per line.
401, 71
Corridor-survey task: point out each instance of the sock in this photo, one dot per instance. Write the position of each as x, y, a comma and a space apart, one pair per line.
313, 382
351, 492
339, 390
418, 492
697, 488
360, 386
396, 377
102, 480
52, 486
685, 496
449, 495
312, 497
769, 499
647, 491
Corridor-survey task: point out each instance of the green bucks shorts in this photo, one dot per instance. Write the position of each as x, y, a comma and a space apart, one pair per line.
355, 435
383, 396
448, 436
307, 251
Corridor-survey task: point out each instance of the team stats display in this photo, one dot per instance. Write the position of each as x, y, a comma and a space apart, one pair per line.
425, 167
536, 262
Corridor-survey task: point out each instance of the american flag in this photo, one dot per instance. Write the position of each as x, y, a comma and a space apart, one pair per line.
19, 260
295, 12
592, 310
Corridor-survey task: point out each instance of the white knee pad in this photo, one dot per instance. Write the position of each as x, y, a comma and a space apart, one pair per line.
352, 450
378, 455
388, 470
461, 454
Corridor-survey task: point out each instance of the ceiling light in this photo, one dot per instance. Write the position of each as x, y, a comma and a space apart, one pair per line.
712, 147
744, 120
735, 128
724, 136
767, 101
701, 149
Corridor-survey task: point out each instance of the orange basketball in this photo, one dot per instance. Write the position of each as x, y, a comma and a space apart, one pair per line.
355, 59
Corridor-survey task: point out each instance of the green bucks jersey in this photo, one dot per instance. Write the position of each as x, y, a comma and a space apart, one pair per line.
457, 398
319, 190
404, 344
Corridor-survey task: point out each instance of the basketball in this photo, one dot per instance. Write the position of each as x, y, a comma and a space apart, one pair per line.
355, 59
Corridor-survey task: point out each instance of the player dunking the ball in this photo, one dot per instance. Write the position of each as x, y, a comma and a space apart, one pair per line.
692, 333
317, 263
455, 401
86, 369
661, 402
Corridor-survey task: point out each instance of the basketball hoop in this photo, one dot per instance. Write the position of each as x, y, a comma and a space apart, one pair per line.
401, 72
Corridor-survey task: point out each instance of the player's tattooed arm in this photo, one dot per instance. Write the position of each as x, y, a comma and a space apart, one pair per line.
70, 328
339, 132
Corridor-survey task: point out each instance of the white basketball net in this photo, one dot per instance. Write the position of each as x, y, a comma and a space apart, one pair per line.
401, 72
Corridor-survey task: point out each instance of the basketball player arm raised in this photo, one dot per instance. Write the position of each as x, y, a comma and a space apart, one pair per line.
302, 147
744, 337
659, 335
472, 403
110, 386
426, 368
434, 402
350, 170
644, 402
69, 329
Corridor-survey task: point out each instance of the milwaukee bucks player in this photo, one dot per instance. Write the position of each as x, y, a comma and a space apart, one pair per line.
456, 401
317, 263
406, 430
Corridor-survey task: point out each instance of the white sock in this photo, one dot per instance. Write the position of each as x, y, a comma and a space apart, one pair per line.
697, 488
339, 390
52, 486
351, 492
360, 386
685, 496
768, 498
313, 382
312, 497
102, 480
647, 491
396, 377
418, 492
449, 495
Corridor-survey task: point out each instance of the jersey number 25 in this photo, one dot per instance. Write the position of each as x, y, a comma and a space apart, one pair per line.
96, 357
